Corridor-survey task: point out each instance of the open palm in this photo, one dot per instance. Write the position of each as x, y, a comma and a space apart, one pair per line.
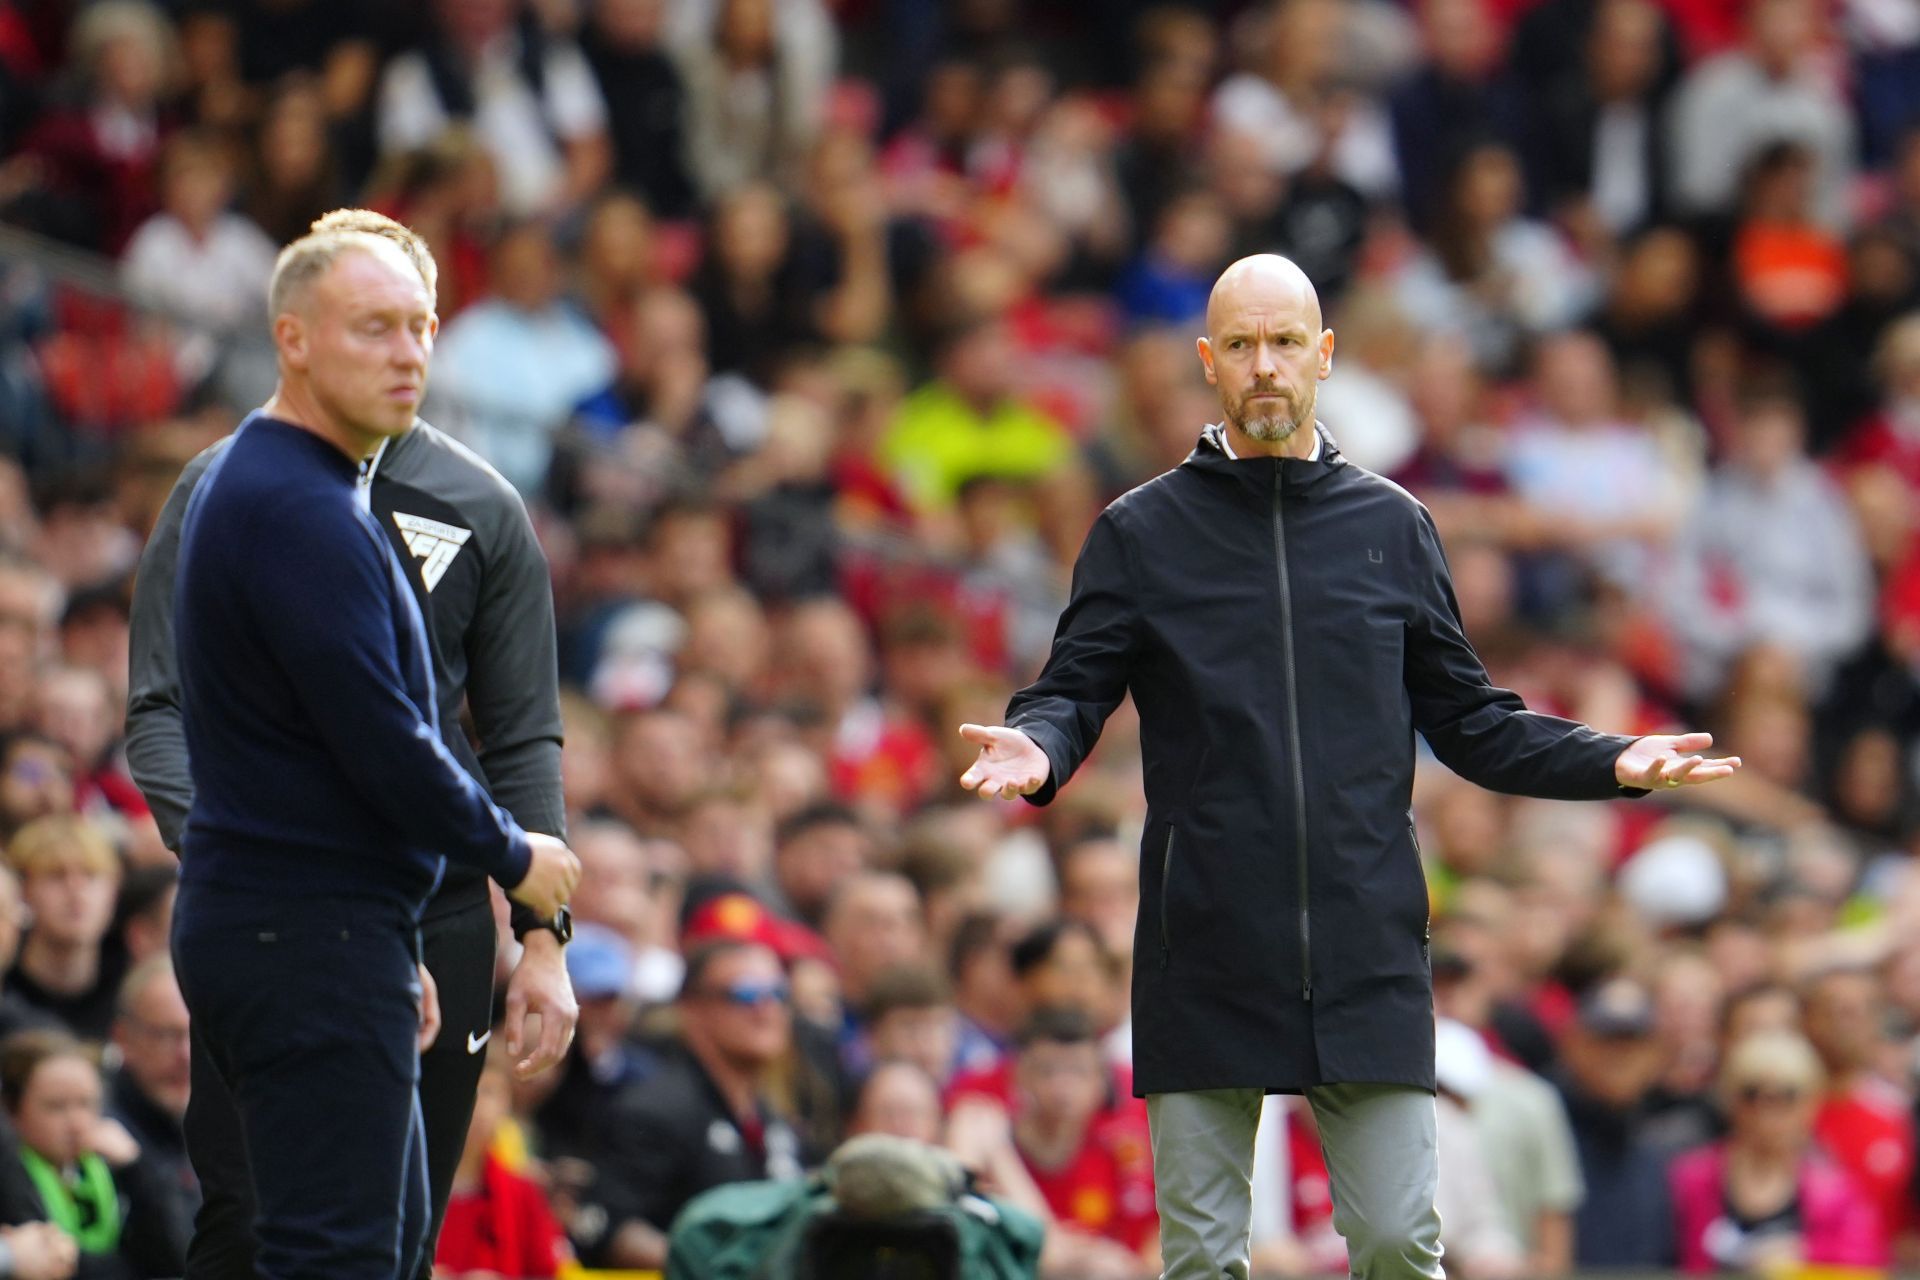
1009, 764
1660, 761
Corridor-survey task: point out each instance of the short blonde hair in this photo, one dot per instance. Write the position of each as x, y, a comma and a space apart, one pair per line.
411, 242
1782, 1058
58, 841
343, 230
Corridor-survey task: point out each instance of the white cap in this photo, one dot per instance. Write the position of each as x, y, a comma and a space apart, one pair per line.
1677, 879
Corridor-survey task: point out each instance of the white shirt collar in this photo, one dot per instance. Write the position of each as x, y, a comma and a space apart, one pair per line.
1226, 442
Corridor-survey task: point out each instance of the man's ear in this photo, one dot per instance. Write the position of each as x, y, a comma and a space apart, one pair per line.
290, 335
1326, 352
1205, 349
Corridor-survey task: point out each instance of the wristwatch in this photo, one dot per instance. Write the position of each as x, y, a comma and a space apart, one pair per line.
561, 926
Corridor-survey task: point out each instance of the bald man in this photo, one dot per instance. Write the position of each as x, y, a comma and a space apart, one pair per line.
1285, 623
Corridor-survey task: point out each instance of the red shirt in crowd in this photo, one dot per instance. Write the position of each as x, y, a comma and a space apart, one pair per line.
1106, 1189
1869, 1133
503, 1226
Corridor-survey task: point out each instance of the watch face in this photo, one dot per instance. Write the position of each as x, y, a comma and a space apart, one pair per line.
562, 925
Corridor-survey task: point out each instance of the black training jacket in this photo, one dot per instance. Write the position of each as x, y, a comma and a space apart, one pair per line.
484, 590
1284, 627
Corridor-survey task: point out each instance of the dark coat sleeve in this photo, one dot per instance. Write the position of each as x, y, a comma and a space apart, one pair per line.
1482, 732
156, 740
513, 684
327, 609
1085, 675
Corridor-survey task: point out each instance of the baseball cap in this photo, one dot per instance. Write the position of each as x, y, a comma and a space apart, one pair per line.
737, 914
599, 962
1617, 1009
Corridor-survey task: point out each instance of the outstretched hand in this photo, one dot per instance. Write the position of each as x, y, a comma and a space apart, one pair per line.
1661, 761
1010, 763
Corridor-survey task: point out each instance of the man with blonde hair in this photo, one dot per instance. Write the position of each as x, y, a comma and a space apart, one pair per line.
323, 799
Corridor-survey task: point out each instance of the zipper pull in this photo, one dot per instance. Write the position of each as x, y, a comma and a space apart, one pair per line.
1306, 990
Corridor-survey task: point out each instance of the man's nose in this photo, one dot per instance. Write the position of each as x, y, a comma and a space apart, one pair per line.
1265, 367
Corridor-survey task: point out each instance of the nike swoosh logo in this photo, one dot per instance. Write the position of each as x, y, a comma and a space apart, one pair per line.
476, 1043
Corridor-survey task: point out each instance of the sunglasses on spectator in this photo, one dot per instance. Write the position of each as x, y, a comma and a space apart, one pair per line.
749, 994
1772, 1095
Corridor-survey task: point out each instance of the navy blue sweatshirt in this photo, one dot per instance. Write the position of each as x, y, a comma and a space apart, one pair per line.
307, 692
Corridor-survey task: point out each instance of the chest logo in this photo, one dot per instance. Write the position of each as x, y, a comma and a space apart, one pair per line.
433, 543
1373, 554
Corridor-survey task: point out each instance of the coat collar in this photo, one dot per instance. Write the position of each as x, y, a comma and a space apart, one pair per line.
1209, 457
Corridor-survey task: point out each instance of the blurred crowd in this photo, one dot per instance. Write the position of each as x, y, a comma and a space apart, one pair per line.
815, 333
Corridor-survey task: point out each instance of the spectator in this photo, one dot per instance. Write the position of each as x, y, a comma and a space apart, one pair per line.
1790, 271
1091, 1167
530, 96
1473, 1227
1297, 47
619, 879
1493, 274
1770, 555
909, 1017
872, 923
99, 156
898, 1098
1601, 477
82, 1173
646, 101
148, 1094
1602, 149
969, 422
1460, 98
196, 260
980, 966
294, 176
1890, 437
36, 781
1521, 1124
570, 1105
1100, 884
1773, 87
700, 1117
497, 1222
1862, 1120
1766, 1196
816, 850
68, 967
756, 84
1170, 281
513, 366
1611, 1059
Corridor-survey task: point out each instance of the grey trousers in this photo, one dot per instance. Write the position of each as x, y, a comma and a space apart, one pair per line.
1381, 1155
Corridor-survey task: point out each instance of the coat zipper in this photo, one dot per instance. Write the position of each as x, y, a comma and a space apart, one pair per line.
1293, 736
1166, 877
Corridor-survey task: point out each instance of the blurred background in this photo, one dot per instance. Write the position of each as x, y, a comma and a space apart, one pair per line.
815, 333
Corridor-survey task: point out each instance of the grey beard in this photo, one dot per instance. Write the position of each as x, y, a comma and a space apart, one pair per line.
1268, 428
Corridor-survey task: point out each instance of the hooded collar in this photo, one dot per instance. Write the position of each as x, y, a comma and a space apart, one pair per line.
1295, 475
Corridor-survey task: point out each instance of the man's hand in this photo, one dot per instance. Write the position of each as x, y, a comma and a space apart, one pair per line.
429, 1010
540, 987
1661, 761
1010, 762
41, 1251
550, 877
